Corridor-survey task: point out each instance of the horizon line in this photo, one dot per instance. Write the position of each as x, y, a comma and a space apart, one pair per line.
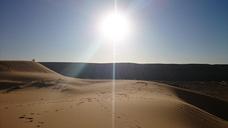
122, 62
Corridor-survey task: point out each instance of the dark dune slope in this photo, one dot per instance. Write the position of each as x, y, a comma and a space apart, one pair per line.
170, 72
215, 106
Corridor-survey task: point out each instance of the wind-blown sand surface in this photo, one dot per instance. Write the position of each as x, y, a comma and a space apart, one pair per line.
43, 99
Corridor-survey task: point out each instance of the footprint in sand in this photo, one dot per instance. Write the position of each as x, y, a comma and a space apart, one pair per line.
27, 119
57, 110
80, 103
123, 94
102, 92
89, 99
131, 123
21, 117
40, 123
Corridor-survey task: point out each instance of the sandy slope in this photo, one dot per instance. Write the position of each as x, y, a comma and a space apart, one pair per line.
26, 71
73, 103
23, 66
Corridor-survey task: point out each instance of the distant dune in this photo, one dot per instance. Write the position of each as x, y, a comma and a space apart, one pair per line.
34, 96
161, 72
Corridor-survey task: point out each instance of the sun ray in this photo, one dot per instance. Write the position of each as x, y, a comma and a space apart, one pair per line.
114, 76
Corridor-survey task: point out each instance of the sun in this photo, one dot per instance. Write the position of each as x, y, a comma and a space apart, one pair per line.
115, 26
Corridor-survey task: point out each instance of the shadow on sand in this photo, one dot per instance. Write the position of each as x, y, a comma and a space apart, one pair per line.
209, 104
12, 86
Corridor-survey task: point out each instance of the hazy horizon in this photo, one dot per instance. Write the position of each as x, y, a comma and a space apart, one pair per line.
176, 31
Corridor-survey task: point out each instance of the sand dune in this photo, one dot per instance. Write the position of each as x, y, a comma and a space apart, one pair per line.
58, 101
25, 71
23, 66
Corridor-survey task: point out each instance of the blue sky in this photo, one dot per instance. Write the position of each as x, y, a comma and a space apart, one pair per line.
164, 31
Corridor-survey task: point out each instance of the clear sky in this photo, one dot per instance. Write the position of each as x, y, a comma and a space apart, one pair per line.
164, 31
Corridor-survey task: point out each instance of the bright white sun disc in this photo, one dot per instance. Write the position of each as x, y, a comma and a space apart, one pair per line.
115, 26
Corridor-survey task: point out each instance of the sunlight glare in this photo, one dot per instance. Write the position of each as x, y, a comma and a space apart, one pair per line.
115, 26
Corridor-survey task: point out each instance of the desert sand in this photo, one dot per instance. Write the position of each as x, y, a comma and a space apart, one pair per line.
33, 96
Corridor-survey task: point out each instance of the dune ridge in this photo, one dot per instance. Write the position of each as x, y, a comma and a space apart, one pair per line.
23, 66
25, 71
